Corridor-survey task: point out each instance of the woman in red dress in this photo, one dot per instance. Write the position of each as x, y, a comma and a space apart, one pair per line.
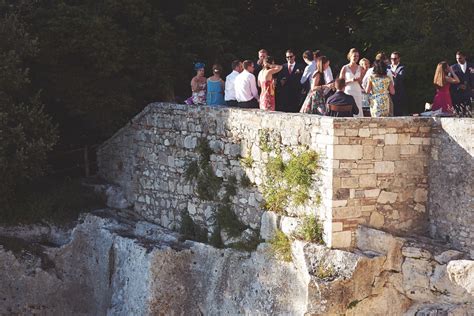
443, 78
265, 81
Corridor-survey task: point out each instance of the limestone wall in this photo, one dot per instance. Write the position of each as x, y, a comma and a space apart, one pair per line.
149, 158
451, 195
379, 176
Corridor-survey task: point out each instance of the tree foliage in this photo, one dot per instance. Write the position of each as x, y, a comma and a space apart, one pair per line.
26, 132
101, 61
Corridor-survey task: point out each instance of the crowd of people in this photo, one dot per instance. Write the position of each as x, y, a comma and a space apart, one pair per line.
361, 88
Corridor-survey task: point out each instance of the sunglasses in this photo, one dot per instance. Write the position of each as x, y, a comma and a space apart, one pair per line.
288, 57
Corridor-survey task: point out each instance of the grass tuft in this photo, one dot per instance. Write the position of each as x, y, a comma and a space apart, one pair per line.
280, 246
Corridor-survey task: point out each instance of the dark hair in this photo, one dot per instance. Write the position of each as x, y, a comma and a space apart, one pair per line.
380, 56
216, 68
380, 69
268, 61
289, 51
340, 83
263, 50
235, 64
316, 54
460, 53
247, 63
308, 55
396, 53
320, 64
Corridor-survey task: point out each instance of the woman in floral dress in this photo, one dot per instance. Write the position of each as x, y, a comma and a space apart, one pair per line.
315, 102
379, 87
198, 85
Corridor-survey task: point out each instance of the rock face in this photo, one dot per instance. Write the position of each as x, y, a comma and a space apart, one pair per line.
113, 263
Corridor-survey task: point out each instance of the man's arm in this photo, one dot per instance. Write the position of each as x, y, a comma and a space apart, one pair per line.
253, 87
305, 75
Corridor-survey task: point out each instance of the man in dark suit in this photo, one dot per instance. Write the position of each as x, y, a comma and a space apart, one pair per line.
337, 100
262, 54
289, 85
464, 90
398, 73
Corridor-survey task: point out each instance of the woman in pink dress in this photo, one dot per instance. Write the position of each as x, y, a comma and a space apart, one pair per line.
443, 78
265, 82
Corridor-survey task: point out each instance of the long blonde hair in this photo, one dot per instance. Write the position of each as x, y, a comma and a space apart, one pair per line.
439, 79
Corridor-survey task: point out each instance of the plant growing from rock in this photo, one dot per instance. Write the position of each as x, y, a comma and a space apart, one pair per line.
190, 230
280, 246
264, 141
310, 230
289, 182
247, 161
325, 271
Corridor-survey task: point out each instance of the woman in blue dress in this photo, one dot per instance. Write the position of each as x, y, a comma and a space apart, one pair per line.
215, 87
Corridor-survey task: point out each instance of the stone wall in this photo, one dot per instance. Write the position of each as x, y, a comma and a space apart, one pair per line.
148, 158
451, 195
374, 172
379, 176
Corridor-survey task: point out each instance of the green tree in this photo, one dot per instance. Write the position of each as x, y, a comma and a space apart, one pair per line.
26, 132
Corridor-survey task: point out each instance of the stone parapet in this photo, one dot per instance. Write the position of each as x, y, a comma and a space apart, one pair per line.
374, 171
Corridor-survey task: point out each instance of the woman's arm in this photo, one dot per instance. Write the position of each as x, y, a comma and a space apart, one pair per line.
368, 89
391, 88
274, 69
454, 79
316, 77
194, 85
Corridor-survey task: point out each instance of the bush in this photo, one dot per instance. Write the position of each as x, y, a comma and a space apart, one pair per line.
310, 230
190, 230
281, 246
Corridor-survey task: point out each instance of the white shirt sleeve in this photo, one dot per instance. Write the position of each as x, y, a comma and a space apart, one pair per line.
365, 80
328, 77
305, 75
253, 87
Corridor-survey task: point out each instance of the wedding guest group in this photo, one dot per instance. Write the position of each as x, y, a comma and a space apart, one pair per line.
310, 87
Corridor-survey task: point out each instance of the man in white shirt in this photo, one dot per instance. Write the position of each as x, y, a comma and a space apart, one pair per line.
245, 86
229, 93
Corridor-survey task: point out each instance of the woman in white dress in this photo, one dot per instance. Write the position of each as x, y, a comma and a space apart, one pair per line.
352, 73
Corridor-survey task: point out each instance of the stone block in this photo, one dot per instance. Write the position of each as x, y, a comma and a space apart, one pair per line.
364, 132
346, 212
372, 193
269, 225
367, 180
384, 167
391, 152
391, 139
341, 239
337, 226
288, 225
377, 220
387, 197
368, 152
347, 152
352, 182
421, 195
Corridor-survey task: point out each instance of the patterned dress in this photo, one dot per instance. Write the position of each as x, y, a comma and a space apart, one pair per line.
267, 96
315, 102
199, 97
379, 97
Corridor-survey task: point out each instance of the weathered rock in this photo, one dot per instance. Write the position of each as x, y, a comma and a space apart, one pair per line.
461, 272
268, 225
